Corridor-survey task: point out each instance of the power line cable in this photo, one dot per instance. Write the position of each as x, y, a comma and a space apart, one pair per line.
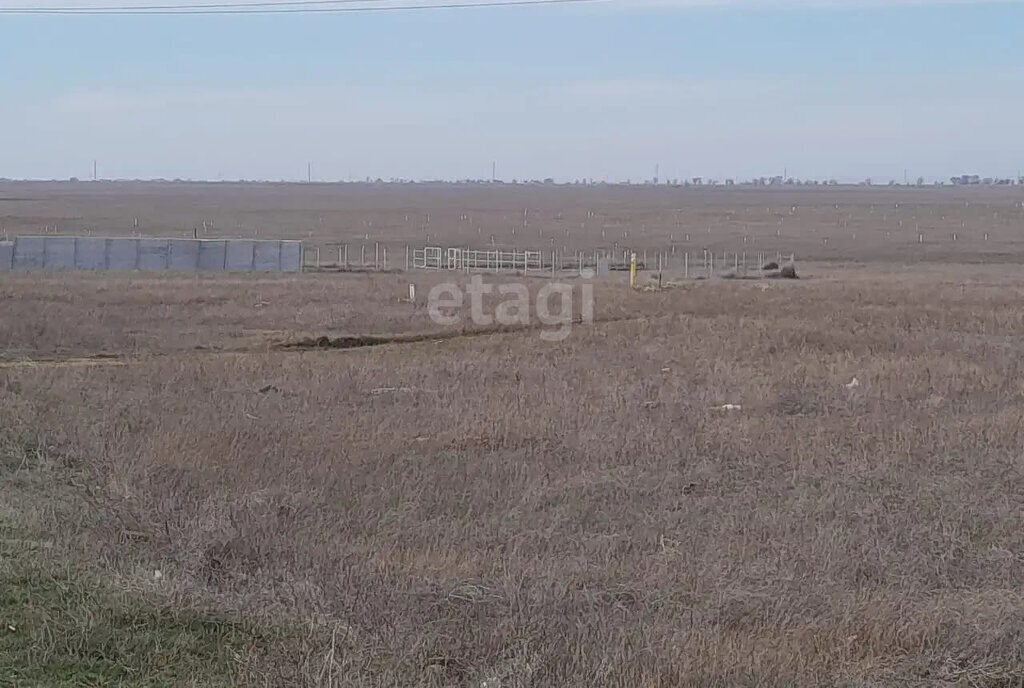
205, 5
278, 7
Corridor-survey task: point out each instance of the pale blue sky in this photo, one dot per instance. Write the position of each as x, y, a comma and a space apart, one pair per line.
738, 88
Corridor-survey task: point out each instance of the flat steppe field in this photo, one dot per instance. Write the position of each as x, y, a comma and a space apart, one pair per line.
813, 482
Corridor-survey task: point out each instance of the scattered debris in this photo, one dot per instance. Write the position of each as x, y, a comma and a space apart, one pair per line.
250, 416
390, 390
468, 592
666, 370
445, 666
787, 272
343, 342
853, 384
728, 407
267, 388
157, 575
690, 489
400, 390
659, 285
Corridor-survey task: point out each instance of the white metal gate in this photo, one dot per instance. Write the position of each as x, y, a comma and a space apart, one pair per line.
437, 258
427, 258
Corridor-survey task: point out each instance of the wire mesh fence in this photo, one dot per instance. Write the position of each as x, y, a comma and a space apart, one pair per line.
378, 257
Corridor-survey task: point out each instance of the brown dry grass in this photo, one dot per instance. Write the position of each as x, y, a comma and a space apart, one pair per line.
877, 224
519, 513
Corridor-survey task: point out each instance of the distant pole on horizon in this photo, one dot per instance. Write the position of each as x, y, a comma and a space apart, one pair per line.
94, 170
494, 171
657, 170
906, 178
309, 173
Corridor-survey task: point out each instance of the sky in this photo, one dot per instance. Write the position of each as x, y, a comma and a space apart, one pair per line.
844, 89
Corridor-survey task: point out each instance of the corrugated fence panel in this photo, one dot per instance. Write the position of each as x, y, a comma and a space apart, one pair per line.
6, 255
240, 253
29, 253
291, 256
122, 254
184, 254
266, 256
91, 253
212, 255
59, 253
131, 253
153, 254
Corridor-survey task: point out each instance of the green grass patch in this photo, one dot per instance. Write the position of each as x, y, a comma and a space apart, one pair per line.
62, 624
65, 630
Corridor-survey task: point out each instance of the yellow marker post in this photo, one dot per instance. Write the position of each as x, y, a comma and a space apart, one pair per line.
632, 270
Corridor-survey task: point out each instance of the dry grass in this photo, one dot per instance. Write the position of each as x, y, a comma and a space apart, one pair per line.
519, 513
876, 224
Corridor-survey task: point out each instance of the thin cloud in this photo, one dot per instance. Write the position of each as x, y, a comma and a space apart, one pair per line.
112, 103
627, 89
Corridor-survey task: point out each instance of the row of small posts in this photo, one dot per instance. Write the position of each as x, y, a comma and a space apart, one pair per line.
599, 261
706, 263
375, 259
324, 259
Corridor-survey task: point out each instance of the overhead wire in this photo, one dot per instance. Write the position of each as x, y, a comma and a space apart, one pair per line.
211, 5
281, 7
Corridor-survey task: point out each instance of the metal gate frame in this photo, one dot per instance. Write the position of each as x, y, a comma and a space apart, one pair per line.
427, 258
